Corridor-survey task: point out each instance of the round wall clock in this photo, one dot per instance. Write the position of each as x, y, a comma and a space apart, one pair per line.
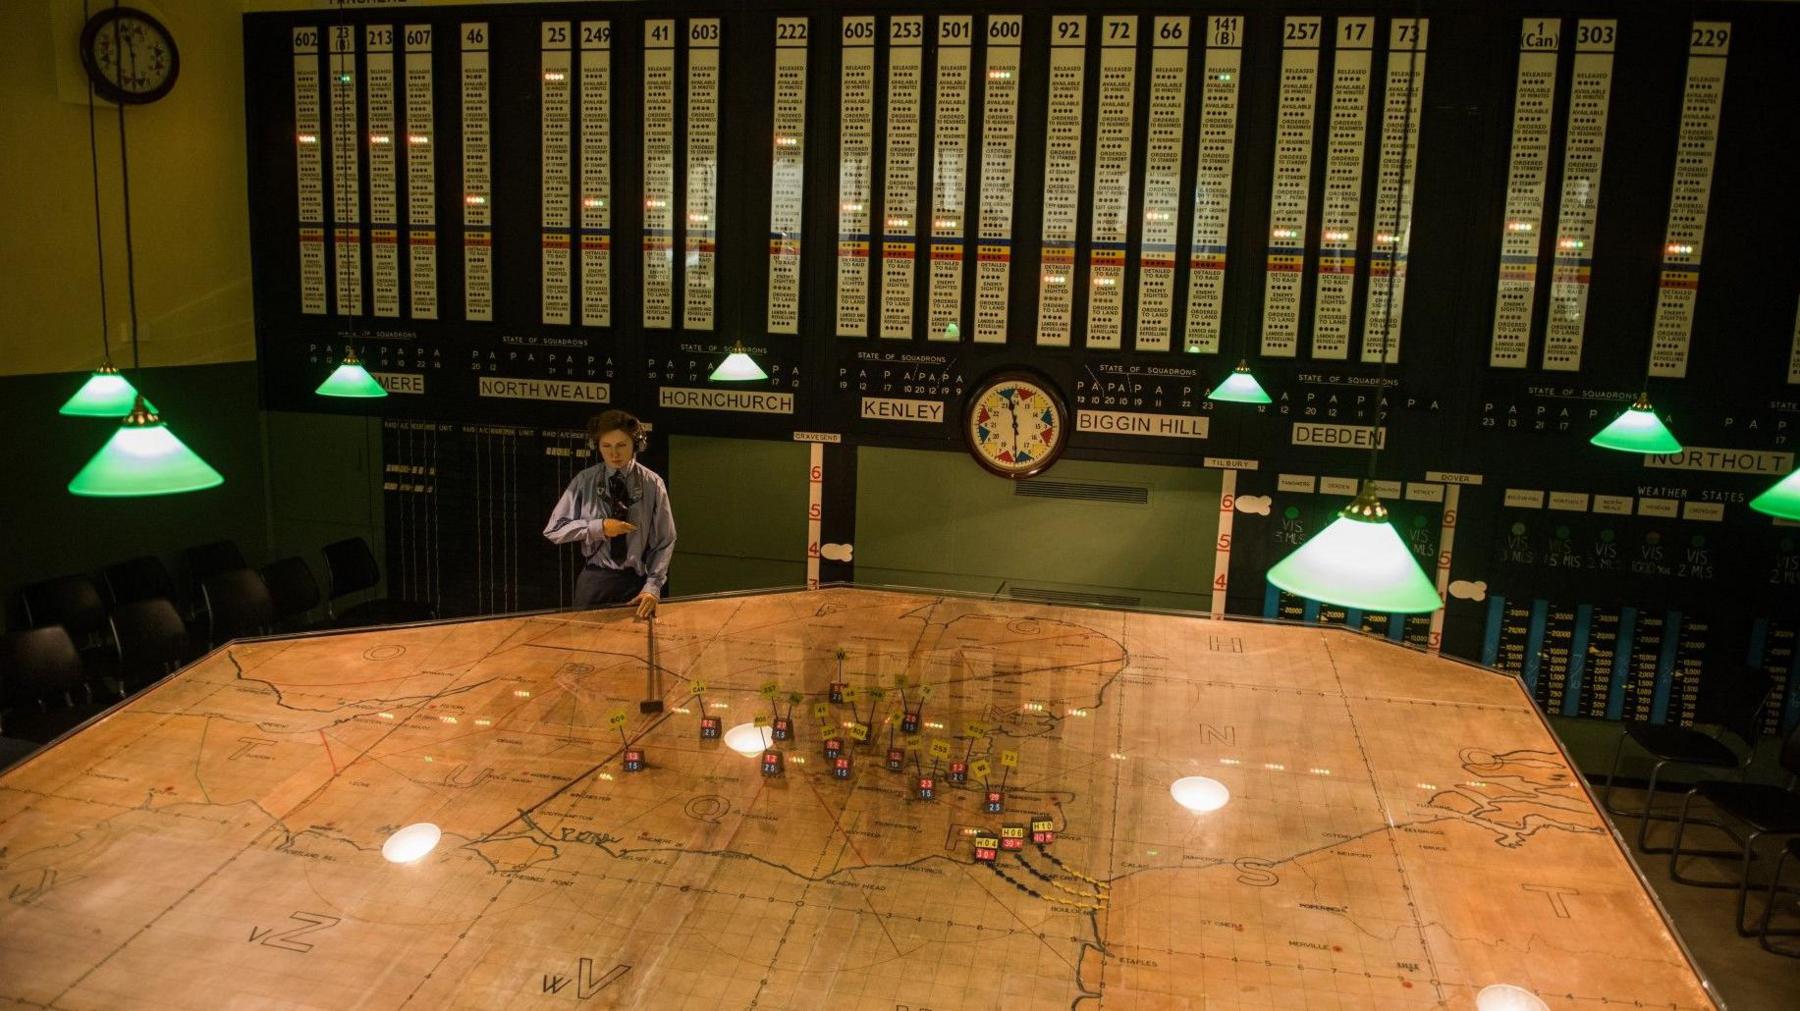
129, 56
1015, 424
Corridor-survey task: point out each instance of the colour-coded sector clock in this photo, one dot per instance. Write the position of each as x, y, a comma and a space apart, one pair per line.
1016, 424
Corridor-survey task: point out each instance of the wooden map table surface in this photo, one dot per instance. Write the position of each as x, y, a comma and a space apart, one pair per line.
1402, 830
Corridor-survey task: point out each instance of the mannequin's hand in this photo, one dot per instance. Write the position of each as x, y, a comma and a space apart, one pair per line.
646, 604
616, 528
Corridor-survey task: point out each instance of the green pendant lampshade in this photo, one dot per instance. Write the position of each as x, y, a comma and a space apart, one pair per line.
1782, 500
1638, 430
143, 458
1358, 561
738, 366
106, 394
350, 380
1239, 388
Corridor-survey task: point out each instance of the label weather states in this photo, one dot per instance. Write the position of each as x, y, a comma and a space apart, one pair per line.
596, 173
1162, 183
1709, 43
1346, 139
555, 66
384, 207
1590, 97
309, 172
949, 178
346, 172
900, 192
787, 181
1394, 188
1062, 178
1112, 181
1290, 186
1534, 100
856, 138
1212, 182
659, 174
700, 229
999, 142
421, 176
478, 233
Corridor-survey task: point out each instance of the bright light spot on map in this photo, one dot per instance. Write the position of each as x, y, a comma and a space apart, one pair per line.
1198, 793
428, 758
1506, 997
411, 842
386, 716
1320, 772
1277, 766
520, 693
484, 723
683, 710
1229, 761
606, 776
1426, 786
930, 723
748, 739
1118, 756
448, 719
721, 705
1078, 712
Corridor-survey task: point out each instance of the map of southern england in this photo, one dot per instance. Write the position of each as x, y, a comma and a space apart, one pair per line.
944, 803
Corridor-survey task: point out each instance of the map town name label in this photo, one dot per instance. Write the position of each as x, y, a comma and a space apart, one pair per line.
1723, 461
545, 389
689, 398
1167, 426
892, 409
401, 382
1337, 436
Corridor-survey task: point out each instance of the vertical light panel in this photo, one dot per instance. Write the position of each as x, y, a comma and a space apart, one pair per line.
309, 172
1290, 186
1446, 543
1590, 98
999, 144
478, 233
1212, 182
1394, 188
1221, 581
596, 173
787, 183
1062, 178
1709, 43
900, 194
700, 227
1162, 182
1534, 100
346, 172
421, 176
1110, 218
949, 178
384, 207
555, 70
1346, 138
659, 174
815, 509
856, 151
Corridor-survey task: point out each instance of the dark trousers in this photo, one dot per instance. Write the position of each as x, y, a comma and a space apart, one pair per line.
597, 587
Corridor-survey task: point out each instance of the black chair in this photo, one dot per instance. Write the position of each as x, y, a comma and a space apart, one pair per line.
152, 641
204, 560
292, 590
42, 684
237, 604
350, 568
1759, 807
70, 601
142, 578
1673, 745
14, 750
1763, 931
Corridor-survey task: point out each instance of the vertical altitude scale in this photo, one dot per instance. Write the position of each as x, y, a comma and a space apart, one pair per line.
384, 209
1162, 182
555, 65
1062, 178
659, 174
596, 173
1590, 96
309, 172
900, 194
700, 226
421, 176
1346, 139
787, 183
1394, 190
1212, 183
478, 235
1708, 46
1534, 101
949, 178
856, 140
1110, 218
346, 181
1291, 186
999, 142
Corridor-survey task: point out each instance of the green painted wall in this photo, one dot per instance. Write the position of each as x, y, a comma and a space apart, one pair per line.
740, 514
935, 519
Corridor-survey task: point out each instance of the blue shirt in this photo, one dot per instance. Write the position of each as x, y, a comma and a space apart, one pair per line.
580, 514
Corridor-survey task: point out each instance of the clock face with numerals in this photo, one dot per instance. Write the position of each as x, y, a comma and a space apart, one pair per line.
1016, 424
129, 55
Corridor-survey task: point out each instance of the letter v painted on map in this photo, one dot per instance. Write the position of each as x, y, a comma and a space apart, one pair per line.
591, 986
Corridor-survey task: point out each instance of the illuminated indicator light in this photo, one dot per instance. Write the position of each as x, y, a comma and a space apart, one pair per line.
411, 843
1337, 236
1384, 237
1286, 233
592, 202
898, 222
308, 138
380, 138
1518, 226
654, 203
1198, 793
1679, 249
417, 138
852, 207
554, 75
999, 75
944, 223
1056, 278
475, 199
1105, 282
345, 78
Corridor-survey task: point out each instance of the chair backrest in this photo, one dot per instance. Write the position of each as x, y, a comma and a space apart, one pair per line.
292, 588
349, 567
142, 578
40, 663
237, 603
151, 637
70, 601
1790, 752
203, 560
1751, 696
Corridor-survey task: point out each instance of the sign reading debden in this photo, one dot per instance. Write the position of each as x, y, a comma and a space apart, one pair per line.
1166, 426
1337, 436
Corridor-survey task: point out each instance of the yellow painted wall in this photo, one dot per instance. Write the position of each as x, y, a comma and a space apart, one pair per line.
190, 211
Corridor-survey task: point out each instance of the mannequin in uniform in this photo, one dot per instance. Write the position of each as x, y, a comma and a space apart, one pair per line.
618, 511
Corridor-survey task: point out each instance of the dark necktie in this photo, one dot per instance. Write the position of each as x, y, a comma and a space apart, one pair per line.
620, 505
